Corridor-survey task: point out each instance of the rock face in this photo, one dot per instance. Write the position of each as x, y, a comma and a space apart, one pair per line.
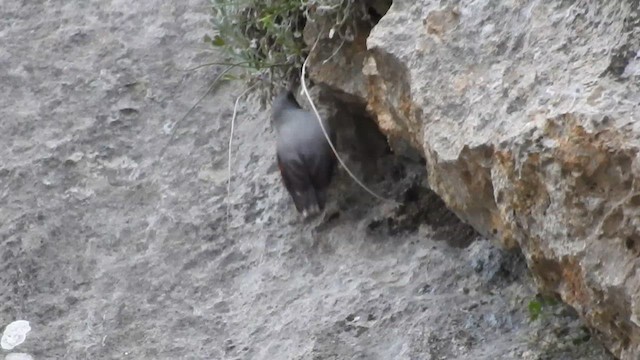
528, 115
110, 251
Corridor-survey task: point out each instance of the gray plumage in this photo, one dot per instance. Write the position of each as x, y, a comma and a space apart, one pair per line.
304, 157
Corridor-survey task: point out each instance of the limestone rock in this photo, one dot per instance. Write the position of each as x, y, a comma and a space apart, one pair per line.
527, 113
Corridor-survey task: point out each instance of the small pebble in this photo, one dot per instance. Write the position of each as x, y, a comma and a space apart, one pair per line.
14, 334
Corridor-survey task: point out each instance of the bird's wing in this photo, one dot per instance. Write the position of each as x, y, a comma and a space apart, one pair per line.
296, 180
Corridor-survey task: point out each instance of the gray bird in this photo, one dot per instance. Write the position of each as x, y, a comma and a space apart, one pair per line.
304, 156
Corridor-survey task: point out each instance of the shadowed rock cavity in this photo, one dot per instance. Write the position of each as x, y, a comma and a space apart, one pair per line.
396, 172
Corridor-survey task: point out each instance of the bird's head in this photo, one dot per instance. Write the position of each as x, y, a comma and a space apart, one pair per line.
284, 101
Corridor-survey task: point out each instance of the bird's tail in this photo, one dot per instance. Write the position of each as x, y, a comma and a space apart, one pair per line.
307, 203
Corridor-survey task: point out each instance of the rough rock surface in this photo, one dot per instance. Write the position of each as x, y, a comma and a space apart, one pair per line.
528, 115
112, 253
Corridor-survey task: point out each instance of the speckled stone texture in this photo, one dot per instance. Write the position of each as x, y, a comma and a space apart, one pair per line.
111, 252
528, 115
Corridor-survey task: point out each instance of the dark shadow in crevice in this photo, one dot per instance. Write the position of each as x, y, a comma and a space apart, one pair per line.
376, 9
398, 174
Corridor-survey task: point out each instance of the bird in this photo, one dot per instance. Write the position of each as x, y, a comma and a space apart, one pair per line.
305, 158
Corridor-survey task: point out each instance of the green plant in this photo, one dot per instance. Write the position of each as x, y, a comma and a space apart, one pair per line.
535, 309
538, 304
265, 37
